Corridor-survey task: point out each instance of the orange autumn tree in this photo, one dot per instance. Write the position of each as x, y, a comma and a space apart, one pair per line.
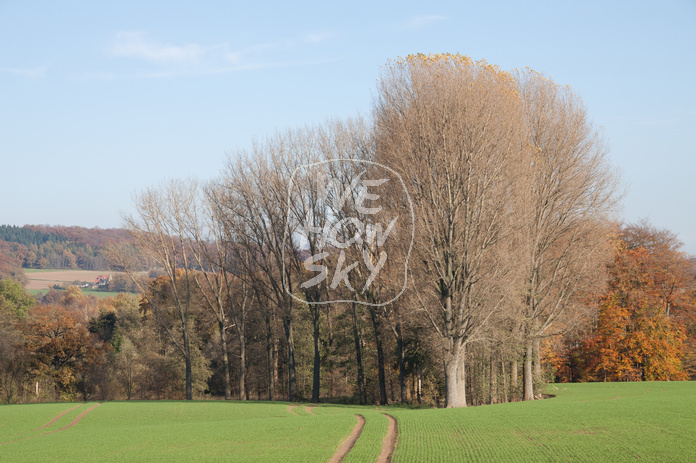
60, 345
645, 323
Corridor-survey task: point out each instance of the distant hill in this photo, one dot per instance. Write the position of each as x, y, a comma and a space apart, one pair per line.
42, 246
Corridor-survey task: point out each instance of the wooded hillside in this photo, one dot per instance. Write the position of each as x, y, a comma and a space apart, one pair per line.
44, 247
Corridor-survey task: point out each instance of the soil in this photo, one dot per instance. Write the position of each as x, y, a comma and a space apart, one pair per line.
348, 444
389, 442
44, 280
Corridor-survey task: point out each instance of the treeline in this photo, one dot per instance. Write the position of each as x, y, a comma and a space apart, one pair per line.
641, 327
449, 237
49, 247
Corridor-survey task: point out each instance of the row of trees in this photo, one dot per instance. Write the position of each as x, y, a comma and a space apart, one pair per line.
494, 184
69, 345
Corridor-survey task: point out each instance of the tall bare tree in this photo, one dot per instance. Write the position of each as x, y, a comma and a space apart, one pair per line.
224, 294
452, 127
569, 196
160, 222
252, 200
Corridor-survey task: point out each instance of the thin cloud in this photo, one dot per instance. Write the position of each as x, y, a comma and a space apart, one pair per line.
419, 22
238, 56
31, 73
316, 38
137, 45
237, 68
195, 59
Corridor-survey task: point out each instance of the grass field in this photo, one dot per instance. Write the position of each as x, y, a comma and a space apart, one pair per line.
651, 421
89, 292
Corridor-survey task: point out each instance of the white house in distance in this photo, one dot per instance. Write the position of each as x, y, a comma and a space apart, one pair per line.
102, 280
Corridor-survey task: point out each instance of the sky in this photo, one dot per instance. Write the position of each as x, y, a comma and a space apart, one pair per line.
100, 100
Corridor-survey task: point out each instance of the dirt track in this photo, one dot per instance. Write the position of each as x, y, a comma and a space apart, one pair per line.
349, 442
389, 442
58, 417
76, 420
73, 423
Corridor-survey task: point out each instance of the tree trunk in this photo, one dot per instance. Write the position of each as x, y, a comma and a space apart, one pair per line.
225, 358
452, 399
493, 380
187, 359
380, 358
402, 363
316, 375
270, 353
537, 359
506, 393
329, 361
275, 367
242, 363
513, 376
527, 373
455, 376
419, 388
358, 355
287, 325
189, 378
462, 385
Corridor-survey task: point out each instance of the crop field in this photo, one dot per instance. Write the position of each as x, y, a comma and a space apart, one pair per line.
651, 421
43, 279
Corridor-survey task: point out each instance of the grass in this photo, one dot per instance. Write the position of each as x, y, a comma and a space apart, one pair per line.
651, 421
174, 431
89, 292
369, 444
41, 270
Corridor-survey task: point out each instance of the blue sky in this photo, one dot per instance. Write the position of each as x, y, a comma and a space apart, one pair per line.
99, 100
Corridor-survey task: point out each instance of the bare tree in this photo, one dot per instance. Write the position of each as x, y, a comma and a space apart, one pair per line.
222, 291
252, 197
307, 217
569, 196
451, 128
158, 228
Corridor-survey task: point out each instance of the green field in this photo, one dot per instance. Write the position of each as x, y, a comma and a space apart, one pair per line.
87, 291
41, 270
651, 421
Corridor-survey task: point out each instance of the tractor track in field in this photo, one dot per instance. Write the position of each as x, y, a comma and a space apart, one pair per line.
57, 417
73, 423
389, 442
348, 444
76, 420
